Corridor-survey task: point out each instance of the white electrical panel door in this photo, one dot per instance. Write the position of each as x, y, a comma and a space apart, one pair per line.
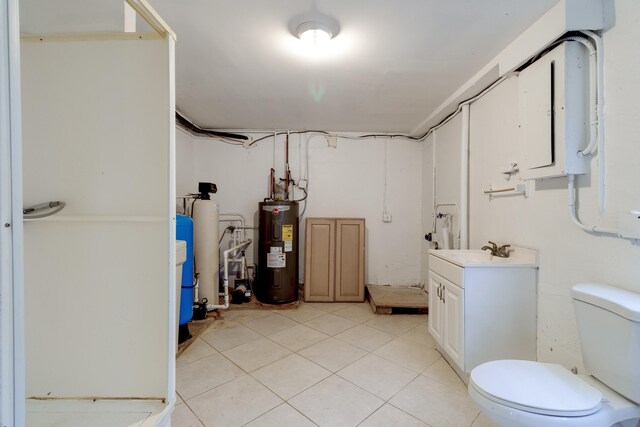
554, 113
537, 121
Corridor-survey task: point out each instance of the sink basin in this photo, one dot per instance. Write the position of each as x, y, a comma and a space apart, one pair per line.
519, 257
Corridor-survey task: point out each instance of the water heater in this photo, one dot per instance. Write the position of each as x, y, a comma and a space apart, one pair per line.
277, 253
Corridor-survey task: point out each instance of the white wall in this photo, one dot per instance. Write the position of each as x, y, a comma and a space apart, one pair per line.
447, 155
346, 181
441, 153
541, 221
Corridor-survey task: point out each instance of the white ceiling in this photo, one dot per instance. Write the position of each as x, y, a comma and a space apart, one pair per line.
390, 66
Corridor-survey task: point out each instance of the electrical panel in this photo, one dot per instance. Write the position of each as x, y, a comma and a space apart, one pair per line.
554, 113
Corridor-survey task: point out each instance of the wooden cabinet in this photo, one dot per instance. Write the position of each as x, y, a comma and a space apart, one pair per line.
334, 259
481, 311
319, 264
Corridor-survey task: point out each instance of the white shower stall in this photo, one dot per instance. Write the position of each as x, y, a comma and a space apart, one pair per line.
98, 134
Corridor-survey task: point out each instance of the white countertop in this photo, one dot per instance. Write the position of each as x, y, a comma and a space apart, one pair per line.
518, 257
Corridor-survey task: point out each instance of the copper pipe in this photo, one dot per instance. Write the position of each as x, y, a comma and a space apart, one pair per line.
286, 172
272, 184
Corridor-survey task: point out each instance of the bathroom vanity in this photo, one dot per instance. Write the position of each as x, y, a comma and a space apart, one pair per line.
482, 307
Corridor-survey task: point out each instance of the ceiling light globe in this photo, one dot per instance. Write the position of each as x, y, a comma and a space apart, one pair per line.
314, 33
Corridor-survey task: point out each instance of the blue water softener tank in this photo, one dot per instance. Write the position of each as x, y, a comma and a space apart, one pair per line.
184, 231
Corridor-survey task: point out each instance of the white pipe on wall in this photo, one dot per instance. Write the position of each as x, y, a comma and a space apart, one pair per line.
434, 182
596, 98
464, 179
593, 94
243, 222
447, 228
225, 263
600, 87
574, 218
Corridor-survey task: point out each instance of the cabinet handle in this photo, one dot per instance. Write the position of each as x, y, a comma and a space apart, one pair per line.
443, 301
438, 293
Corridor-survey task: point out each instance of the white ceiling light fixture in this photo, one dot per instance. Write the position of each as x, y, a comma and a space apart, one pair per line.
314, 33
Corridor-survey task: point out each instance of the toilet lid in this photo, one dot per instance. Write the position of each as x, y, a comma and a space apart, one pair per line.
541, 388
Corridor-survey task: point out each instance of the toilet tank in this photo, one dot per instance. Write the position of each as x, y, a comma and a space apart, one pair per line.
608, 321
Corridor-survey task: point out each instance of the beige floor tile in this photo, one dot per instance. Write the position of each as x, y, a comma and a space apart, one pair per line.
226, 334
483, 421
183, 417
178, 399
378, 376
359, 313
197, 350
396, 324
298, 337
410, 354
365, 337
256, 354
303, 313
234, 404
243, 315
332, 354
436, 403
330, 324
281, 416
270, 324
420, 334
389, 415
442, 372
336, 402
329, 307
290, 376
205, 374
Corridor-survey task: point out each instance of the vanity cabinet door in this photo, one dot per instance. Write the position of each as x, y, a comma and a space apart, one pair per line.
435, 307
453, 318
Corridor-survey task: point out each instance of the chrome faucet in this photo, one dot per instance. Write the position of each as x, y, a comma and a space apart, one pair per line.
499, 251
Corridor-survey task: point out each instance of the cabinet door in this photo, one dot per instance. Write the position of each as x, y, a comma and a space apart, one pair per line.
435, 307
350, 259
319, 260
453, 317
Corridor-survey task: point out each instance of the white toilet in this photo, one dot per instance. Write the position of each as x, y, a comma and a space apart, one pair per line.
533, 394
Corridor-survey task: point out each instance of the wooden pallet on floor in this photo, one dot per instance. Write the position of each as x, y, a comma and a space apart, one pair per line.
390, 299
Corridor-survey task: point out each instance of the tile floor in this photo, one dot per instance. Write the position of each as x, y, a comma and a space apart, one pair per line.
333, 364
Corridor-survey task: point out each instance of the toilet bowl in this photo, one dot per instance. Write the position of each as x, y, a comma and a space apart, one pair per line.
534, 394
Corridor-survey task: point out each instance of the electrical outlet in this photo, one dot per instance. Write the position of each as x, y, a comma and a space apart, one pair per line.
302, 183
386, 217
